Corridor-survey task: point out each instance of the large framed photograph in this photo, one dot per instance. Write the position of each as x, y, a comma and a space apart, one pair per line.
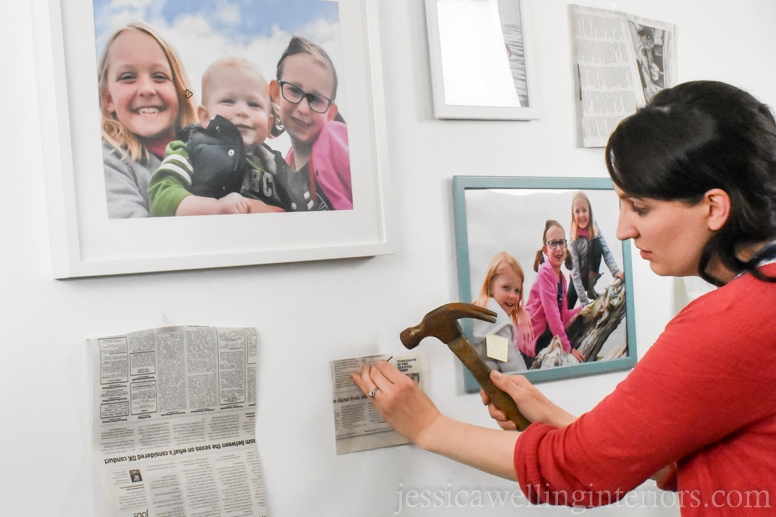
90, 238
571, 313
482, 61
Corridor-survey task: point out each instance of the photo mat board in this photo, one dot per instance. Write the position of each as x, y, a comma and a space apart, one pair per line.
482, 61
494, 214
85, 242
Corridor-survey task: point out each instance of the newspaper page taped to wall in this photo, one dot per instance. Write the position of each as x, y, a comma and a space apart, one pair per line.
621, 61
357, 424
174, 415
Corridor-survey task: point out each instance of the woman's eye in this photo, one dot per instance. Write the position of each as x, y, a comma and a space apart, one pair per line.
160, 78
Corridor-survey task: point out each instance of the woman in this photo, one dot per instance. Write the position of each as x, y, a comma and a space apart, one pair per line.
695, 171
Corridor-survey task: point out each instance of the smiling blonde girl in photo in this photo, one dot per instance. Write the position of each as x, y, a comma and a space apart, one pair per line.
502, 292
587, 247
142, 87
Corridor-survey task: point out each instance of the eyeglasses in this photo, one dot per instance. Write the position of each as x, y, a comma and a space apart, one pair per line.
556, 244
295, 95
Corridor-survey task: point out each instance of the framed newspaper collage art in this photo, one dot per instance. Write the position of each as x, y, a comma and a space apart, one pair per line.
620, 62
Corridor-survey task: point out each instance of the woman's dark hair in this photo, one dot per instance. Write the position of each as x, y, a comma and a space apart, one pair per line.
695, 137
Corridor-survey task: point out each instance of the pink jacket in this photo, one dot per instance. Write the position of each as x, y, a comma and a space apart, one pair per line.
542, 306
330, 158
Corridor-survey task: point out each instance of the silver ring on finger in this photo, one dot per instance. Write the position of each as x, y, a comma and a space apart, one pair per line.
372, 393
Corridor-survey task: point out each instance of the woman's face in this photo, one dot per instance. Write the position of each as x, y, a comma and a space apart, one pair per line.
140, 91
581, 211
505, 288
555, 246
671, 235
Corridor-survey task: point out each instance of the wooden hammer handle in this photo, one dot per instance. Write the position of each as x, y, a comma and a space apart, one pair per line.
481, 372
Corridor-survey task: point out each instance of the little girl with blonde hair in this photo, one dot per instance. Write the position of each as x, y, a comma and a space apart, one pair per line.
586, 249
143, 101
502, 292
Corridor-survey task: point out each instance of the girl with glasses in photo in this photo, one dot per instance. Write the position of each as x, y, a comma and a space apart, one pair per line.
547, 301
305, 91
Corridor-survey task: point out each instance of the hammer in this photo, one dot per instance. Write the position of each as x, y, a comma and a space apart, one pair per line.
442, 323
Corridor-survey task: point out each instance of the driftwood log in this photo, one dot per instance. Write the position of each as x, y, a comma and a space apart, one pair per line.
589, 330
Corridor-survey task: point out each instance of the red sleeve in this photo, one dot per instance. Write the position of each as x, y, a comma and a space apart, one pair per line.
694, 387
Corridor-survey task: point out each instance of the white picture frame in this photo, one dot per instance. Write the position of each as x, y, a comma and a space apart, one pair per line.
482, 60
85, 242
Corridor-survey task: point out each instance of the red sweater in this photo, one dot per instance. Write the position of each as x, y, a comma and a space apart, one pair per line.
702, 398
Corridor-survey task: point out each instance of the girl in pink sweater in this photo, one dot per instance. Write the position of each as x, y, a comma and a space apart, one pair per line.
547, 301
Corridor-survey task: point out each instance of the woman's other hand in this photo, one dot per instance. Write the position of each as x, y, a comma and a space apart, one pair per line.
530, 401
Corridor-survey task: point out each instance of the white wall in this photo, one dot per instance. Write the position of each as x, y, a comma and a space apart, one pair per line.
308, 314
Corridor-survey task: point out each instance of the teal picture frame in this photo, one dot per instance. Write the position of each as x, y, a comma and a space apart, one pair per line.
508, 213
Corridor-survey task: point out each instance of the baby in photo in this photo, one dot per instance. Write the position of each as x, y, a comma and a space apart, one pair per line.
222, 165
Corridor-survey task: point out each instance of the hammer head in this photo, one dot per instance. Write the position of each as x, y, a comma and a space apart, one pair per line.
442, 323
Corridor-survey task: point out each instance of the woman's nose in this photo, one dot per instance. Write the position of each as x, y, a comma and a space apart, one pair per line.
625, 228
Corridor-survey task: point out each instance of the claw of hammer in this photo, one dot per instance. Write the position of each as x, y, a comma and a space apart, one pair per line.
442, 323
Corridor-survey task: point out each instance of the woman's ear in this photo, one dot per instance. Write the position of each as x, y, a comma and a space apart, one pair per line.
718, 202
